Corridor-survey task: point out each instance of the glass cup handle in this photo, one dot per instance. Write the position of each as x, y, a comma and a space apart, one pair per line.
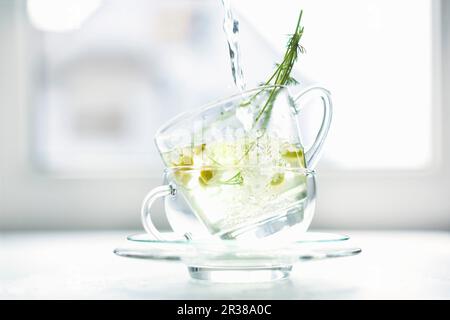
312, 155
146, 219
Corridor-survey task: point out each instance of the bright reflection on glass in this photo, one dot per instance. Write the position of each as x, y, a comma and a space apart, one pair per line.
241, 276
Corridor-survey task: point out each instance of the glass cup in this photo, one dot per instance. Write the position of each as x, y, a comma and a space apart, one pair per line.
240, 165
245, 125
263, 202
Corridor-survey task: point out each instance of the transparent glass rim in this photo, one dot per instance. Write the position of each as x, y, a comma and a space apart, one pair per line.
211, 105
304, 171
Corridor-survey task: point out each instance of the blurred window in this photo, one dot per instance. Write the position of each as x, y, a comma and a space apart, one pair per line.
110, 75
107, 74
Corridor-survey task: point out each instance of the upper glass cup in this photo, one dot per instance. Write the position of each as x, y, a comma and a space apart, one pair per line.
240, 165
258, 127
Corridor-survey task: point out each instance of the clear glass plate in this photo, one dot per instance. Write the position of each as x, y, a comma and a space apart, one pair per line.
240, 261
307, 237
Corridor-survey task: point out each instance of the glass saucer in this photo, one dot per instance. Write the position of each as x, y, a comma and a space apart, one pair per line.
240, 261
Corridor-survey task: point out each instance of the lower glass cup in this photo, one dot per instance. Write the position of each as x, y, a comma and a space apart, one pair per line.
233, 202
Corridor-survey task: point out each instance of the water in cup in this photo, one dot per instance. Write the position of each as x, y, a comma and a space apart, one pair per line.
234, 185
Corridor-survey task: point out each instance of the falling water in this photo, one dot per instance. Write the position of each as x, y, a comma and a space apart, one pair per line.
231, 29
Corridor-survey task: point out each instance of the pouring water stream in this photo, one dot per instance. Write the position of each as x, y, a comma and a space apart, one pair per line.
231, 29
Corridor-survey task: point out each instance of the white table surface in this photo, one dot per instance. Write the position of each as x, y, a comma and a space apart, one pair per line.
81, 265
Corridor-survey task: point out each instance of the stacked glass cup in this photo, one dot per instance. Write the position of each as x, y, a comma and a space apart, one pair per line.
237, 168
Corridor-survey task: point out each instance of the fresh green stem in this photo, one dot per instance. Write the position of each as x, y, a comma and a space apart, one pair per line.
236, 179
282, 74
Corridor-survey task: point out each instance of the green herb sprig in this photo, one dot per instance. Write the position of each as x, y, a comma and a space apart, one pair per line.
282, 74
